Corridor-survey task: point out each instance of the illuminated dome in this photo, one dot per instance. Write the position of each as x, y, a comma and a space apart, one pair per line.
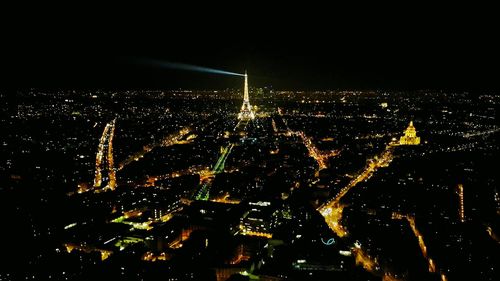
410, 136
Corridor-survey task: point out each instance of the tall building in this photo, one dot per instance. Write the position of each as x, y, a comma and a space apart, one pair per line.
410, 136
461, 209
246, 112
103, 155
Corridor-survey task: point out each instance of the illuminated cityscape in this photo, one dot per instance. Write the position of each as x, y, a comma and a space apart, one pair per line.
160, 157
260, 200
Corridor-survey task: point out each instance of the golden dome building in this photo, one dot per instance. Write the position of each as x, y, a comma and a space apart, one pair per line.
410, 136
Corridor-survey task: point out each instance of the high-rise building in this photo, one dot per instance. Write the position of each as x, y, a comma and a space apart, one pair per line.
103, 155
461, 209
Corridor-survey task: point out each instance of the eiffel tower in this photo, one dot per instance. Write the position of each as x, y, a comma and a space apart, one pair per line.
246, 112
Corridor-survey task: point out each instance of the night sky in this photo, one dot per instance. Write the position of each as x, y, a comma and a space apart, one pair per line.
305, 49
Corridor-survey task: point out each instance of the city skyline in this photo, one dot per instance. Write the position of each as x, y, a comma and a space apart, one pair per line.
294, 169
324, 146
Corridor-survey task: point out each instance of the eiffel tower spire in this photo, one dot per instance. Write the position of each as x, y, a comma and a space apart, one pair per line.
245, 90
246, 112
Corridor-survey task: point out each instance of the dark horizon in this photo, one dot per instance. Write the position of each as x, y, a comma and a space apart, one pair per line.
313, 52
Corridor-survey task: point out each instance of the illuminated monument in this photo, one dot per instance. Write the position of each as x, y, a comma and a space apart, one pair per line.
246, 112
410, 136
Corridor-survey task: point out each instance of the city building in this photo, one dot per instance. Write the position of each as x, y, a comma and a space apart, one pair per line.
410, 136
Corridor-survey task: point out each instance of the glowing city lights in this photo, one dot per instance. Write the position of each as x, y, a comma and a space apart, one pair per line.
461, 211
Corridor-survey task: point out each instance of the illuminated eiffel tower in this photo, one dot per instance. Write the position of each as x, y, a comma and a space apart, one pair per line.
246, 112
